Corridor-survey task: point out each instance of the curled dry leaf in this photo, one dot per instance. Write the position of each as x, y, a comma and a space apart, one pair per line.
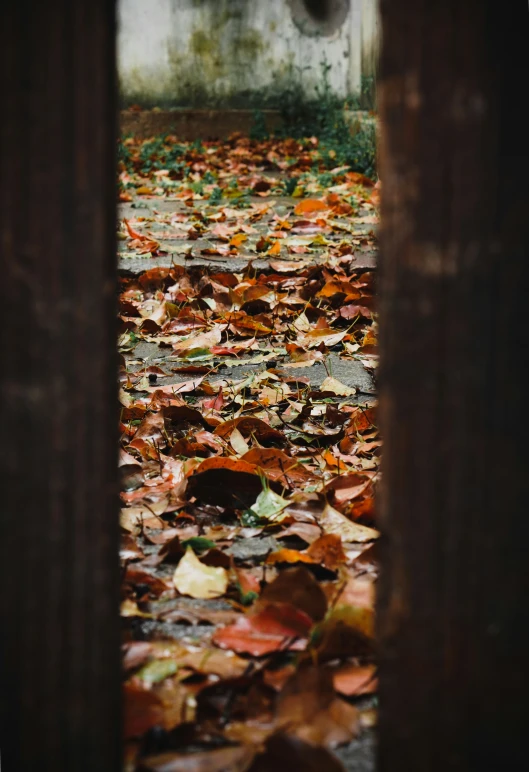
309, 709
150, 429
333, 522
238, 442
307, 532
299, 587
359, 591
288, 753
362, 419
165, 706
250, 426
173, 389
354, 680
197, 580
279, 466
328, 551
347, 631
327, 336
226, 482
135, 653
234, 758
310, 207
129, 549
273, 627
336, 387
353, 310
177, 415
138, 581
347, 487
203, 340
288, 556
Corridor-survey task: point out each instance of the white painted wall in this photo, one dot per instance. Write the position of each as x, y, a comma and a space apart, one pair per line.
236, 53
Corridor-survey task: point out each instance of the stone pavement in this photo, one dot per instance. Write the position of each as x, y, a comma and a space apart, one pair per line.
182, 619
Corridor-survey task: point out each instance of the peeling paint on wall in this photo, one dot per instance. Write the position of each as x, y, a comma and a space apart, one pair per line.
242, 53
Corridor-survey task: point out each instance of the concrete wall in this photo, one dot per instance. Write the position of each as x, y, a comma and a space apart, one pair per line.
242, 53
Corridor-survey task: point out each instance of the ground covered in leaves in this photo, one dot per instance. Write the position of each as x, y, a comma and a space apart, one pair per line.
248, 456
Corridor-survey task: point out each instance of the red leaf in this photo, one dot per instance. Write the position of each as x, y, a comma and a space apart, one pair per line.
217, 403
275, 627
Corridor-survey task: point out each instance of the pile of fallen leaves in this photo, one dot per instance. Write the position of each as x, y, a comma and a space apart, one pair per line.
248, 533
233, 170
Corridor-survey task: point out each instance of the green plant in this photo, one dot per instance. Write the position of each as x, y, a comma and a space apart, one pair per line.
325, 118
150, 153
124, 156
258, 130
290, 185
215, 197
197, 146
368, 92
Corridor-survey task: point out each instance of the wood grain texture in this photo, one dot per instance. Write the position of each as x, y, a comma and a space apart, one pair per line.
453, 604
59, 639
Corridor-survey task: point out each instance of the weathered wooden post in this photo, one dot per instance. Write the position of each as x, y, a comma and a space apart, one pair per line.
59, 635
454, 608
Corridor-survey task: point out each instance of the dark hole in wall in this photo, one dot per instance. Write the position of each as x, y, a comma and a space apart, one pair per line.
319, 17
318, 9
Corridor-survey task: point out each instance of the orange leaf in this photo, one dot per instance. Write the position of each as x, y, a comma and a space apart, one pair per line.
362, 419
360, 179
328, 551
132, 233
289, 556
276, 464
335, 287
332, 461
144, 190
352, 680
310, 206
238, 239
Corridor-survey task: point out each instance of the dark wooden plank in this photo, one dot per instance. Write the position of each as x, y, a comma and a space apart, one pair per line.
453, 606
59, 639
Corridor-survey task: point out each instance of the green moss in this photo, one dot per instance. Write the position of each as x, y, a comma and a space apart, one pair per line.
228, 14
248, 43
202, 74
200, 44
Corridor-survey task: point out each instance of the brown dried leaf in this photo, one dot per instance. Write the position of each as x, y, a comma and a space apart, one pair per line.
308, 708
272, 627
236, 758
225, 482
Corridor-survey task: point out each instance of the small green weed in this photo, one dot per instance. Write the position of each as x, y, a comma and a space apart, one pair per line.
258, 130
324, 117
215, 197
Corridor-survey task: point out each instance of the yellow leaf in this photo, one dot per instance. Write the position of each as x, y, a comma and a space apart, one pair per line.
238, 239
195, 579
333, 521
238, 442
337, 387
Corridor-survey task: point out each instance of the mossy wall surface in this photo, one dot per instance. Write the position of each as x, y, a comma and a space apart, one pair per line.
242, 53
